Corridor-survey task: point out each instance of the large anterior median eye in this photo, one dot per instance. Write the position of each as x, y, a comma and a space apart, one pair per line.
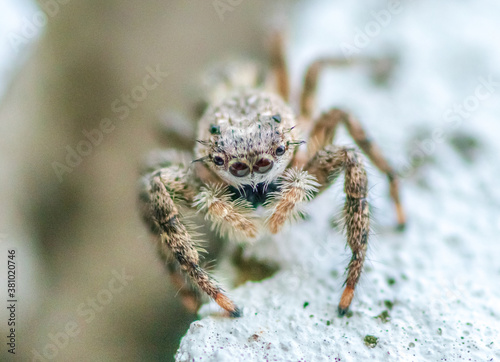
239, 169
263, 165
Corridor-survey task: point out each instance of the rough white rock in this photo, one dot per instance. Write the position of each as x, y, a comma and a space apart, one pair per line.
441, 276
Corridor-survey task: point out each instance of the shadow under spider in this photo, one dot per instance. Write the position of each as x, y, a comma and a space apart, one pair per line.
251, 269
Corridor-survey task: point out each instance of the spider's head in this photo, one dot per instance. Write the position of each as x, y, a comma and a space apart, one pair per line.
251, 155
251, 146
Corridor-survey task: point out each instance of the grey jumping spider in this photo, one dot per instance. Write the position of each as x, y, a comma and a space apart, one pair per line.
248, 154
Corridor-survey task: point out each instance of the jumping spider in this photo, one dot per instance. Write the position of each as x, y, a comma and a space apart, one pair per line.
248, 155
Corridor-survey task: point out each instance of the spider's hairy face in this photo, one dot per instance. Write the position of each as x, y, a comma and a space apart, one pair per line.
251, 155
249, 139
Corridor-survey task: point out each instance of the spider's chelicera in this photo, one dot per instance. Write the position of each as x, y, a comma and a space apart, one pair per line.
248, 155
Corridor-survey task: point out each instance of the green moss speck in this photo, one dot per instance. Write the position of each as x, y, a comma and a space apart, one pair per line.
388, 304
440, 331
384, 316
371, 341
391, 281
306, 304
328, 323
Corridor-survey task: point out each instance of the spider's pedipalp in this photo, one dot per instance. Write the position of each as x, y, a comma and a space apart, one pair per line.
295, 187
326, 165
229, 218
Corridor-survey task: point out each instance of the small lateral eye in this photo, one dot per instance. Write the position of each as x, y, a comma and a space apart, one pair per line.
219, 161
214, 129
280, 151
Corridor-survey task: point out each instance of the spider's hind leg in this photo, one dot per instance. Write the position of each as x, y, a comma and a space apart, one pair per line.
175, 131
278, 65
381, 67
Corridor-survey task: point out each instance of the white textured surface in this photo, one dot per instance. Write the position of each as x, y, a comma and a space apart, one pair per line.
443, 273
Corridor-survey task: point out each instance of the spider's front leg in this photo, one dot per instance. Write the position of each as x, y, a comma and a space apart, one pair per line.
162, 188
325, 166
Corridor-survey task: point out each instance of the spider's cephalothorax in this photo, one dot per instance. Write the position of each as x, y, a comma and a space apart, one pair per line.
247, 155
248, 139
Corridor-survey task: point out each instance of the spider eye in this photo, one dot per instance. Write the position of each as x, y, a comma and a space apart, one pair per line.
219, 161
239, 169
263, 165
214, 129
280, 151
